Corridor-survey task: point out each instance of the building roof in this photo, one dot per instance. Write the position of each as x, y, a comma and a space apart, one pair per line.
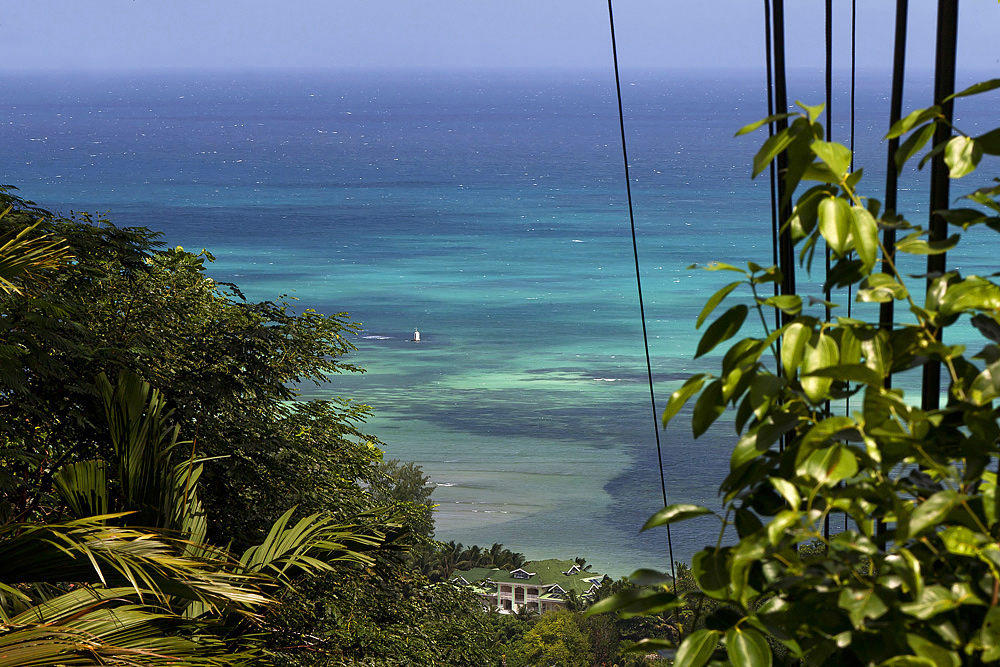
565, 574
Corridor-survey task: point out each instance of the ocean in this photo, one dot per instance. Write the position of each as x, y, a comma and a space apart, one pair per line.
486, 211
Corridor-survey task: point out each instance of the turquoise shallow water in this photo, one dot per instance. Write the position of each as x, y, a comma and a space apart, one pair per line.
489, 213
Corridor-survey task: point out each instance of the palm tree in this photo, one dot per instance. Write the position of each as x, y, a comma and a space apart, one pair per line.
102, 588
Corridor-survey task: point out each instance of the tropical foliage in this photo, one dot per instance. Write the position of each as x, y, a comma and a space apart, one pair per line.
915, 577
112, 521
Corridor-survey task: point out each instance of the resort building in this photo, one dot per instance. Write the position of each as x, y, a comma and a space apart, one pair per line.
538, 586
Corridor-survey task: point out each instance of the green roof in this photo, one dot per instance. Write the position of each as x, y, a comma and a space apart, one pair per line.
544, 573
474, 575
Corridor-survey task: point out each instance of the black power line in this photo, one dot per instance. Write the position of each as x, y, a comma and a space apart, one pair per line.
638, 284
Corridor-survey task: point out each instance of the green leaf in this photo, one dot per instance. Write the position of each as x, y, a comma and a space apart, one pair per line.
821, 354
973, 293
711, 571
914, 118
881, 288
645, 577
976, 89
675, 513
836, 156
787, 491
990, 142
835, 217
932, 601
931, 154
913, 144
697, 648
677, 399
709, 407
761, 438
939, 655
774, 145
781, 524
722, 329
636, 602
722, 266
913, 245
747, 648
829, 465
907, 661
864, 229
861, 604
714, 301
788, 303
961, 540
962, 154
848, 372
933, 511
746, 129
986, 386
793, 345
812, 111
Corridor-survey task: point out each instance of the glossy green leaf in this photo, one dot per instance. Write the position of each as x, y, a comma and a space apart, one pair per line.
829, 465
697, 648
933, 511
932, 601
962, 154
722, 266
760, 439
913, 144
914, 245
836, 156
881, 288
820, 171
986, 386
636, 602
990, 142
973, 293
673, 514
861, 604
931, 154
677, 400
812, 111
787, 491
709, 407
975, 89
747, 648
911, 120
746, 129
746, 522
961, 540
779, 526
989, 632
821, 353
714, 301
793, 345
722, 329
864, 231
710, 569
907, 661
834, 217
849, 373
772, 146
788, 303
645, 577
939, 655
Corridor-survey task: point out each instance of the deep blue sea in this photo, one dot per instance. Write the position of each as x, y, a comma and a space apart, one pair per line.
487, 211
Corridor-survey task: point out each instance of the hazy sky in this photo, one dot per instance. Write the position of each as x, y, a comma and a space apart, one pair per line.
431, 34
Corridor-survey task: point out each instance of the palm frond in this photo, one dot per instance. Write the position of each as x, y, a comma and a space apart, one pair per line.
150, 563
311, 545
24, 257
